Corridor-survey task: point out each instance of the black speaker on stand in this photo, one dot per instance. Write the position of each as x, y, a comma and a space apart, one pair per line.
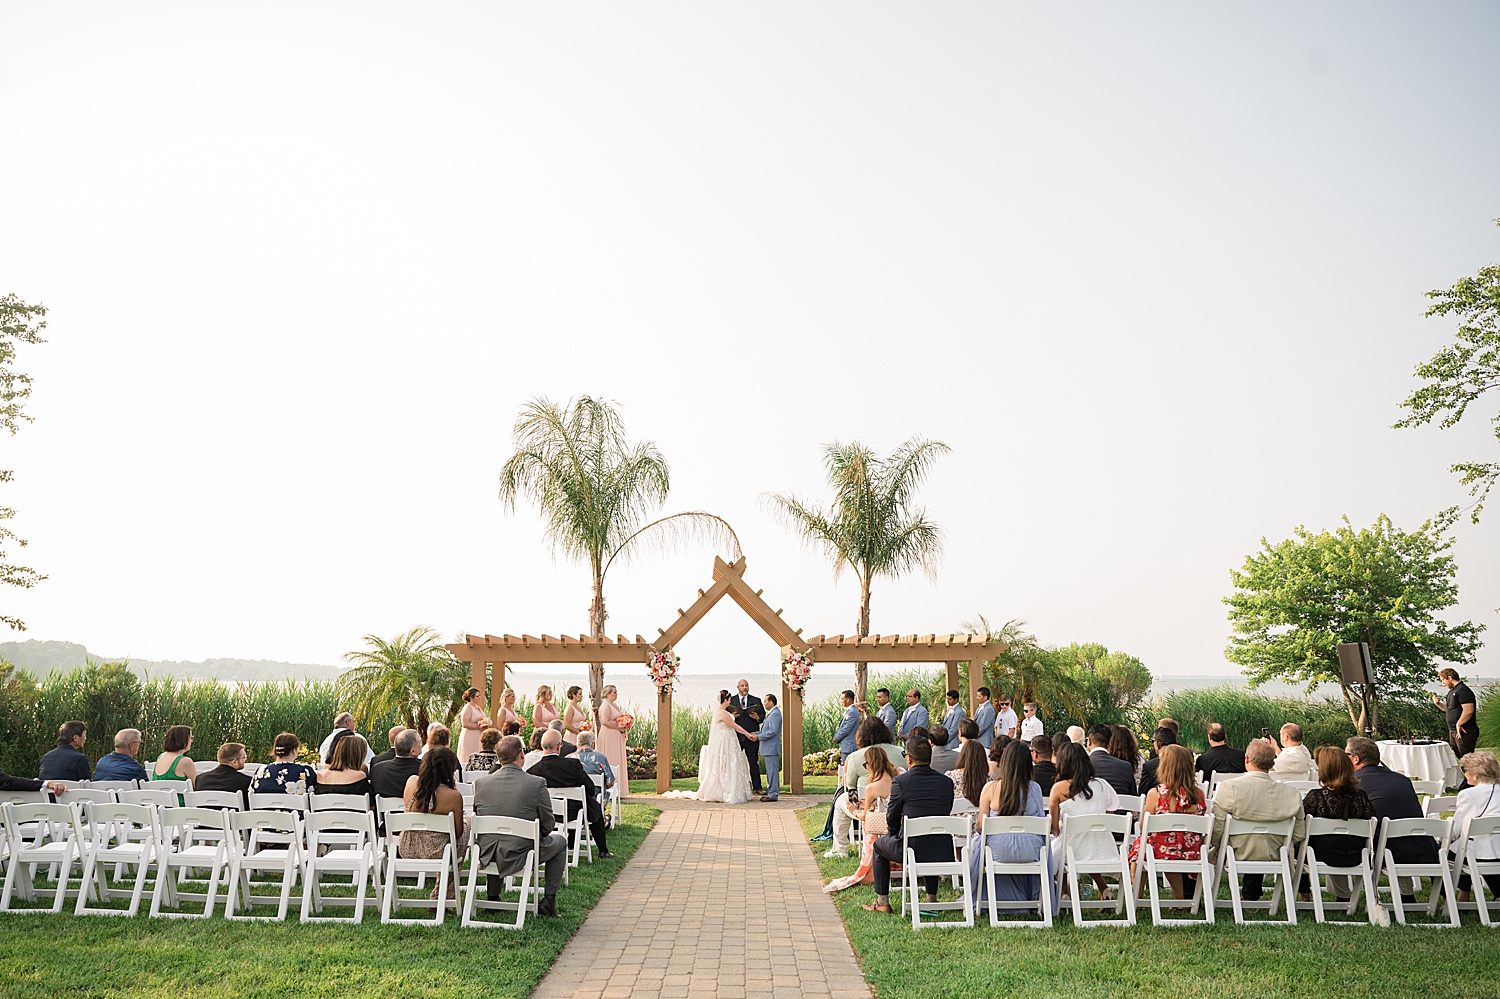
1355, 670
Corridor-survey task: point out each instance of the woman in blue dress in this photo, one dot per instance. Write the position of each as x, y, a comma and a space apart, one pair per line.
1013, 792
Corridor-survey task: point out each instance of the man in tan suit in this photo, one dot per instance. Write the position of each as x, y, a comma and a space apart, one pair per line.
1257, 797
509, 790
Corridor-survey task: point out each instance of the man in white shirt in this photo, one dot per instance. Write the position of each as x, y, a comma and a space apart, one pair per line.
1293, 761
343, 722
1006, 721
1031, 725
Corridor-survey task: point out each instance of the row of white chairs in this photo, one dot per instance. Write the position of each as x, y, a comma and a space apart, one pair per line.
1285, 871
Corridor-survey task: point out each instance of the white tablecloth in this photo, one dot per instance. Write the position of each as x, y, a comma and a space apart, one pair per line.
1431, 762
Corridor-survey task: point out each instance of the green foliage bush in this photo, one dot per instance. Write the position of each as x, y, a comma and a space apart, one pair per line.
1488, 712
1244, 712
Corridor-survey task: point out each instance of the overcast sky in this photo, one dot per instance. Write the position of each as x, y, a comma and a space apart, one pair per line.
1154, 273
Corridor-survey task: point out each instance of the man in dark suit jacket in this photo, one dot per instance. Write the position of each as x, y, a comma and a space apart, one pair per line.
388, 778
1220, 757
1161, 737
1115, 772
560, 771
918, 793
751, 712
229, 775
1393, 797
67, 761
390, 738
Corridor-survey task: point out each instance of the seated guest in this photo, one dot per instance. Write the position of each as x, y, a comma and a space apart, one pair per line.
1393, 797
1114, 771
1123, 746
1079, 792
1076, 734
943, 758
880, 773
285, 774
433, 791
510, 728
1012, 793
1293, 762
1043, 770
993, 757
1174, 725
1176, 791
9, 783
567, 748
509, 790
559, 771
1161, 737
122, 764
1257, 797
968, 731
390, 740
1477, 801
173, 763
343, 727
439, 735
229, 775
920, 792
971, 774
388, 778
484, 760
593, 761
871, 736
1340, 797
1220, 757
67, 761
345, 773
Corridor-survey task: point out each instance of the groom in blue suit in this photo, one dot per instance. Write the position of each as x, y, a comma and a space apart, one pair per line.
770, 748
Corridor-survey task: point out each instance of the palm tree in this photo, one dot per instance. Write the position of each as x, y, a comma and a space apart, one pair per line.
594, 489
412, 674
872, 527
1026, 670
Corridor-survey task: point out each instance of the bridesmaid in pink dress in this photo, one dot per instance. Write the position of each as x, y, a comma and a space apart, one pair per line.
507, 712
611, 739
573, 714
543, 714
472, 720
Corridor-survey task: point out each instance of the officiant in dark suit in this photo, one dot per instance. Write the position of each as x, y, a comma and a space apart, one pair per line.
751, 712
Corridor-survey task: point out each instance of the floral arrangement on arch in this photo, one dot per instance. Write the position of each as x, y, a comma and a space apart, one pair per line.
796, 669
663, 667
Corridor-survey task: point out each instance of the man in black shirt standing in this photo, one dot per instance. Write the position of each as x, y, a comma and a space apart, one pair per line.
1463, 727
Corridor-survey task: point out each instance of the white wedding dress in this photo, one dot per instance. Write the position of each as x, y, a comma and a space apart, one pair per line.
724, 774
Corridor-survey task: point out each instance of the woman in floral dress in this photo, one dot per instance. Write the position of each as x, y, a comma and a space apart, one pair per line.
1176, 791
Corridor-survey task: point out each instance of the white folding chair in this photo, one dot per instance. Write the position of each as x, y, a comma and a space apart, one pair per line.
601, 795
1427, 788
121, 834
1437, 807
1280, 868
914, 871
560, 823
79, 795
351, 846
40, 834
1030, 825
1151, 867
1133, 803
1303, 786
1216, 779
261, 825
1117, 866
1477, 828
445, 867
530, 887
583, 839
178, 848
161, 797
274, 801
1307, 861
1442, 877
231, 800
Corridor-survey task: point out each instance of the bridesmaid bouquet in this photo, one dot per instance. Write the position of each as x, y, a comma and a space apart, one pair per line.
663, 668
625, 721
796, 669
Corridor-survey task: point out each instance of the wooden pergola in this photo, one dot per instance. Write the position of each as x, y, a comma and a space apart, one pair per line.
489, 655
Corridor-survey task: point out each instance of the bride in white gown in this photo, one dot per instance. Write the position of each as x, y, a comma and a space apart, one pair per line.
725, 772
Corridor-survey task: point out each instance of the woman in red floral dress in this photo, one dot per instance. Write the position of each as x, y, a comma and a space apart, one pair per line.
1176, 791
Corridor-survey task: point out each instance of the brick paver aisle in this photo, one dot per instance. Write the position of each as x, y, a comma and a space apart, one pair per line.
719, 901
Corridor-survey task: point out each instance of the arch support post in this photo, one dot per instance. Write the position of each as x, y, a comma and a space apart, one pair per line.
663, 740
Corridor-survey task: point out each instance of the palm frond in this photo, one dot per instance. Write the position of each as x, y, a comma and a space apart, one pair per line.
677, 531
813, 526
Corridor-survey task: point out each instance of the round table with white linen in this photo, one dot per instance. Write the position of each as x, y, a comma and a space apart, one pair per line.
1434, 761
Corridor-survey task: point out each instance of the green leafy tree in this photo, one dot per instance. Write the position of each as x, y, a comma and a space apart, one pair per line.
1463, 371
19, 323
873, 525
1295, 601
412, 675
595, 491
1114, 683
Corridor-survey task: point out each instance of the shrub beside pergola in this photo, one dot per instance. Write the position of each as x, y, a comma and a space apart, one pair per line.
489, 655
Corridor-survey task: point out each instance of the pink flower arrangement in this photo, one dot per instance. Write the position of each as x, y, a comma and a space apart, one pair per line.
663, 669
796, 669
625, 721
585, 726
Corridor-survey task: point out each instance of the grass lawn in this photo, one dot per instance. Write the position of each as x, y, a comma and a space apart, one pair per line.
85, 956
810, 785
1223, 962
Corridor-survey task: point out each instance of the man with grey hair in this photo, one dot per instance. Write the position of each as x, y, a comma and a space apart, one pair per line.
593, 761
122, 763
1076, 734
390, 740
343, 726
567, 748
560, 772
388, 777
1258, 797
509, 790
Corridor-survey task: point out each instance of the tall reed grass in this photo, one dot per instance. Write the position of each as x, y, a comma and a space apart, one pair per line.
1244, 712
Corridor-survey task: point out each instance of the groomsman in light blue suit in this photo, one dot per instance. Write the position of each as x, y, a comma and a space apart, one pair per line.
770, 748
848, 725
984, 717
954, 715
887, 710
915, 715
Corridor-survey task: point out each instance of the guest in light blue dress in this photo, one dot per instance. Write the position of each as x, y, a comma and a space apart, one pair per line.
1002, 796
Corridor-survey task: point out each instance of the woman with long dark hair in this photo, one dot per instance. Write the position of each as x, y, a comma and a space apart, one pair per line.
1013, 792
971, 774
432, 791
1123, 746
1079, 792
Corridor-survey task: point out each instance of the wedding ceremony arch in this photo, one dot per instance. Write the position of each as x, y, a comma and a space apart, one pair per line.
488, 655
